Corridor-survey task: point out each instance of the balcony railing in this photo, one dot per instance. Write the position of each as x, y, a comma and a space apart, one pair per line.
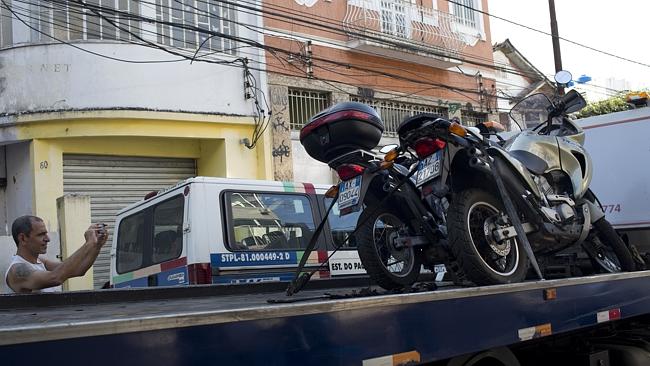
393, 23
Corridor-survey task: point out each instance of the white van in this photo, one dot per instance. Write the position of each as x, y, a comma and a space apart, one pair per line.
218, 230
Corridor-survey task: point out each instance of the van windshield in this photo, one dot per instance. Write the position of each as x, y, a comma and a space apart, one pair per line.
269, 221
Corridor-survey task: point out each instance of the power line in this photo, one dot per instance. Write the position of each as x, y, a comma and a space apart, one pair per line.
548, 34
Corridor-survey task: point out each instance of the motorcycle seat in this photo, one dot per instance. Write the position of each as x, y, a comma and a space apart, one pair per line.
531, 161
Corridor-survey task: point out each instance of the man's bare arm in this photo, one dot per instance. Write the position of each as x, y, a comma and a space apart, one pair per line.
25, 279
50, 264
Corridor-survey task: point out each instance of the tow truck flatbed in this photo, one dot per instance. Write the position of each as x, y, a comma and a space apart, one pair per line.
247, 329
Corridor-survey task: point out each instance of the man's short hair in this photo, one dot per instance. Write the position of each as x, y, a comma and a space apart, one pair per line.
23, 225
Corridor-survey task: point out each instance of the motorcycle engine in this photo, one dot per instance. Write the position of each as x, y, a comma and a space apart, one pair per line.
560, 207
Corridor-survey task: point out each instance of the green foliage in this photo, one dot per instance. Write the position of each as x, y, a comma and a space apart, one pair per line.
616, 103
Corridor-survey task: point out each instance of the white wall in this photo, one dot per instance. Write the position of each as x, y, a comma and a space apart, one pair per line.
306, 169
53, 77
56, 76
7, 249
20, 180
3, 192
507, 82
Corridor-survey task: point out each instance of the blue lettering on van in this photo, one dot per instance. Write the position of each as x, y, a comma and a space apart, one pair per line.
173, 277
256, 278
238, 259
138, 282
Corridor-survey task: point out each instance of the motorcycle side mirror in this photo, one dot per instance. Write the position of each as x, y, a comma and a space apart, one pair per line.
563, 77
387, 148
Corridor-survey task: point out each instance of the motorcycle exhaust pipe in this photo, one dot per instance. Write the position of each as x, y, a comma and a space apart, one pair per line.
480, 164
475, 152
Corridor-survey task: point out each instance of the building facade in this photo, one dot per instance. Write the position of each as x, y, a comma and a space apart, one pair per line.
115, 99
400, 56
516, 78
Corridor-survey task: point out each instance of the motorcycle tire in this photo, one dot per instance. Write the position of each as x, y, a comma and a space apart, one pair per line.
484, 261
618, 251
376, 246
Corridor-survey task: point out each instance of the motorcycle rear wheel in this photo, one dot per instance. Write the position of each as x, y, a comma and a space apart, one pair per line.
470, 225
388, 265
608, 251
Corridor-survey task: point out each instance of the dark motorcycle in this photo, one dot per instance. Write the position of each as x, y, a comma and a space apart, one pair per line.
483, 208
397, 224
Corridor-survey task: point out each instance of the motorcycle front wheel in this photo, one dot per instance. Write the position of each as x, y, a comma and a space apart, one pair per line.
389, 263
472, 219
607, 250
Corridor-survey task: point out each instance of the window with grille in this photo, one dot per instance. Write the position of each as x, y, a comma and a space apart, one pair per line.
211, 15
394, 17
393, 113
68, 20
6, 33
303, 104
466, 16
469, 118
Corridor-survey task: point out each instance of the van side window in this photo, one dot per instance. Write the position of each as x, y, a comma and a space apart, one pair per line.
342, 226
267, 221
168, 230
130, 243
153, 235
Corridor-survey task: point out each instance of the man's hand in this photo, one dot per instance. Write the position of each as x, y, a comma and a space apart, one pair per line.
96, 234
102, 234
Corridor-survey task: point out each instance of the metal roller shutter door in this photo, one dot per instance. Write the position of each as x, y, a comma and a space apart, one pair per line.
113, 182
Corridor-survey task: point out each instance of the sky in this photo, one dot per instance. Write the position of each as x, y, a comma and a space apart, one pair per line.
617, 27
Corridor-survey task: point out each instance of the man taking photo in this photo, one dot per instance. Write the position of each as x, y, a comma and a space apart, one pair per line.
28, 272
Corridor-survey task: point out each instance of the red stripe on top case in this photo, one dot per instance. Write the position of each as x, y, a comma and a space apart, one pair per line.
173, 264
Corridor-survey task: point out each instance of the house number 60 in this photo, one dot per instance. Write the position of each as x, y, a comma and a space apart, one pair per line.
44, 164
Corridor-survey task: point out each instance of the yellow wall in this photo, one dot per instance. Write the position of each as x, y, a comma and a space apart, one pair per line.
214, 141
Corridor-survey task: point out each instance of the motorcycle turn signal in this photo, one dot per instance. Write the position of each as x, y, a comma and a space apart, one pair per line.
457, 129
391, 155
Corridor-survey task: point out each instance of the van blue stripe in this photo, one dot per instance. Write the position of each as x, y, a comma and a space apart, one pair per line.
239, 259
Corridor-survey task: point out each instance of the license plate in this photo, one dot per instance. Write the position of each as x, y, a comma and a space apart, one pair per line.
349, 193
429, 168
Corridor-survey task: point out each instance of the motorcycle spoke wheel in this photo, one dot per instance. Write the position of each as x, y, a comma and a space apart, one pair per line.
607, 250
501, 258
398, 261
389, 264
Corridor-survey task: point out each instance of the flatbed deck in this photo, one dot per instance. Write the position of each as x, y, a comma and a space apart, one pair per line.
247, 329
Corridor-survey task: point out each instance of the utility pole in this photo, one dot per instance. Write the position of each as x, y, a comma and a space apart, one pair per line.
556, 42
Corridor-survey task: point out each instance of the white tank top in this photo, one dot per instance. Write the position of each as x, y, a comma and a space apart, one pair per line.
38, 266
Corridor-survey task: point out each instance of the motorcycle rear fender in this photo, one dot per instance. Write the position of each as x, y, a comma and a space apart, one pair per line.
374, 183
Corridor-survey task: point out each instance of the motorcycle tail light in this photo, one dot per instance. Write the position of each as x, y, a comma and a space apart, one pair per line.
349, 171
427, 146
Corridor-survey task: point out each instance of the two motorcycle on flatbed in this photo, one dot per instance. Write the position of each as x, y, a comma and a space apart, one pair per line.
484, 208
